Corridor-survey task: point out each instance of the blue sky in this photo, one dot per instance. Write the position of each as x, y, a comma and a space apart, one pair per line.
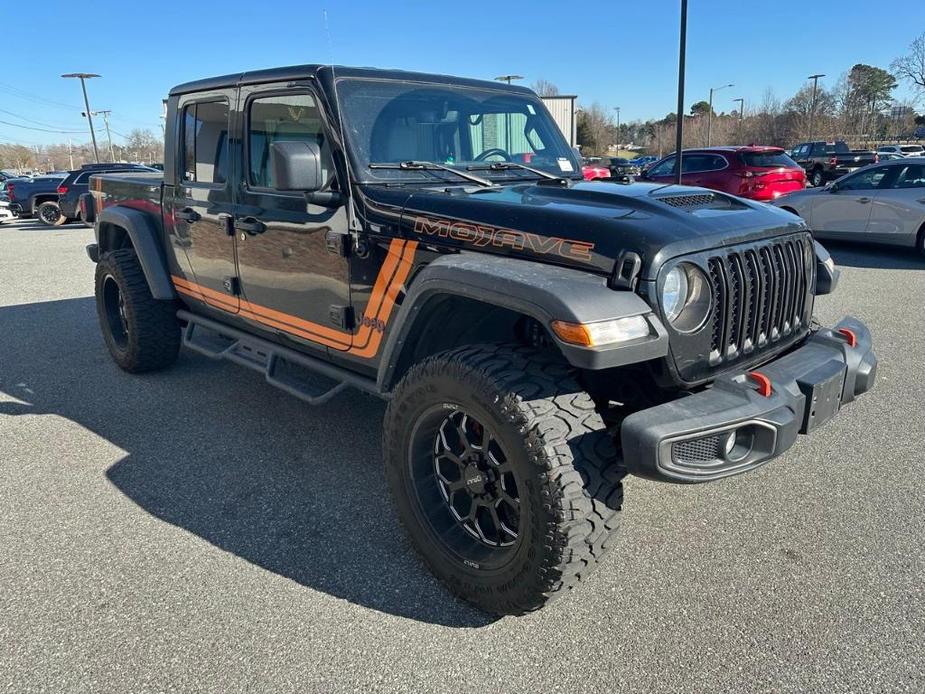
616, 53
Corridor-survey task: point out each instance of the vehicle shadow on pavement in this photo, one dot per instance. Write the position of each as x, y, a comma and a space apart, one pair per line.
211, 448
874, 256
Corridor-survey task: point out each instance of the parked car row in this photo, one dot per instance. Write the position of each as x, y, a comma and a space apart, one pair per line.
54, 198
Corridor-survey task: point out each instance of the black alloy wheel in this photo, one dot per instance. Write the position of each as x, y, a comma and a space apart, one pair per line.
114, 310
475, 481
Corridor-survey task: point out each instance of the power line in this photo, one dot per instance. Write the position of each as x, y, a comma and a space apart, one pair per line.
34, 122
43, 130
23, 94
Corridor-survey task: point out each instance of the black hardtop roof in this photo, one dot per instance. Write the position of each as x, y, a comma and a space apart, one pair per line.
302, 72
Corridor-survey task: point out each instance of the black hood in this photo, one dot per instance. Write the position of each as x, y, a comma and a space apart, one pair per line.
587, 224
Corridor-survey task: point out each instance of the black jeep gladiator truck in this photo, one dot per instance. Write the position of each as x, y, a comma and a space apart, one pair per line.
429, 240
826, 161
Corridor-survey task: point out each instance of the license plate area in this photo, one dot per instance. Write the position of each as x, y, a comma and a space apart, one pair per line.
822, 388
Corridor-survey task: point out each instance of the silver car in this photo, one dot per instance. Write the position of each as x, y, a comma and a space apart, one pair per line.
881, 203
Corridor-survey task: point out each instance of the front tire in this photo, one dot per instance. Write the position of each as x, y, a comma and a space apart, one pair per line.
503, 474
141, 332
49, 213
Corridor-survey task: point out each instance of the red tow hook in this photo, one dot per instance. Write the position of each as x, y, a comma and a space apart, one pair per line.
763, 382
849, 336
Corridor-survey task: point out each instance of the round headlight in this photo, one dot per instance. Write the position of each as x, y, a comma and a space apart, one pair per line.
674, 293
686, 298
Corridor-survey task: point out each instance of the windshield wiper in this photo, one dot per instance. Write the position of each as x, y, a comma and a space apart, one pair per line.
505, 165
432, 166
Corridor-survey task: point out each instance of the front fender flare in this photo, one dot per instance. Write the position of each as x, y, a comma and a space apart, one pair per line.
543, 292
144, 235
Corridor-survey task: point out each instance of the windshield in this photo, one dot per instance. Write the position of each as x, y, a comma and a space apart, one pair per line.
393, 122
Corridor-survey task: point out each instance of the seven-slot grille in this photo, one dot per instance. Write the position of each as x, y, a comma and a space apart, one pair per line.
759, 295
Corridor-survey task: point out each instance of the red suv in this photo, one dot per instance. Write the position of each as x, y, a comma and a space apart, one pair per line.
759, 173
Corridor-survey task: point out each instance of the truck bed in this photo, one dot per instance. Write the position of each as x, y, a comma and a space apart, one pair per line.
142, 191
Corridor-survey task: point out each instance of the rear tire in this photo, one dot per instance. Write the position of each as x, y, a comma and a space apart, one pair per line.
141, 332
49, 213
817, 178
549, 471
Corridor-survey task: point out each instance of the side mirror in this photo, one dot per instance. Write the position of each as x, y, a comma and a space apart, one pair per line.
296, 166
830, 187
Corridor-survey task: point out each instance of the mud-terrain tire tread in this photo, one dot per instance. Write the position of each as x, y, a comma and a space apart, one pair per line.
154, 332
582, 486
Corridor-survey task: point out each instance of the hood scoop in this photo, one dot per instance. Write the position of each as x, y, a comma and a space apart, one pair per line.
697, 201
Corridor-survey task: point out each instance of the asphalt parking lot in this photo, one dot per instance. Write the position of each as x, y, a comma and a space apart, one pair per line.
197, 530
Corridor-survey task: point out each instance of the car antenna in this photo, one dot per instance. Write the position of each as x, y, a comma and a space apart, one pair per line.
352, 222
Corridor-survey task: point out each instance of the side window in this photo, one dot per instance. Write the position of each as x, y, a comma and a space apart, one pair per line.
818, 150
283, 117
205, 142
664, 168
866, 180
82, 178
912, 176
717, 162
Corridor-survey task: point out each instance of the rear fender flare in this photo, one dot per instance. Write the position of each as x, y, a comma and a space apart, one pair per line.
145, 238
540, 291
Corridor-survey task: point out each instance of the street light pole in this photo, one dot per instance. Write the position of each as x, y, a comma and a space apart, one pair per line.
617, 109
710, 112
679, 123
812, 104
507, 116
82, 76
741, 118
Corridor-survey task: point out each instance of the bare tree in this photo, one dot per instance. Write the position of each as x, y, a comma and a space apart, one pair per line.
911, 67
545, 88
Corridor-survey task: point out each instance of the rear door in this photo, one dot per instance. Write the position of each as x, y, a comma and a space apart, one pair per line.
294, 276
844, 210
898, 210
200, 209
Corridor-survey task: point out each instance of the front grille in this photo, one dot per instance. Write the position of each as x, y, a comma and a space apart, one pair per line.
759, 296
762, 303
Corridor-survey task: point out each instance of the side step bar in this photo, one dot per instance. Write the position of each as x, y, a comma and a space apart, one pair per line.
307, 378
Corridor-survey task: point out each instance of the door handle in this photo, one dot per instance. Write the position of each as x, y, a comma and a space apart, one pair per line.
250, 225
188, 214
863, 201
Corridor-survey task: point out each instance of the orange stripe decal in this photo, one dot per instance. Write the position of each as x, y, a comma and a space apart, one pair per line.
364, 343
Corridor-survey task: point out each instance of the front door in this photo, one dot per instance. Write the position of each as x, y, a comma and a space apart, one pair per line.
843, 211
294, 276
201, 204
898, 208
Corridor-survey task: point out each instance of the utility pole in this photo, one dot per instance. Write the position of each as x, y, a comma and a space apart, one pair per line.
710, 112
617, 109
70, 155
105, 114
812, 104
83, 76
679, 124
741, 117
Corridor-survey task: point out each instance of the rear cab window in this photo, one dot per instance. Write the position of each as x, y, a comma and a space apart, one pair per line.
205, 142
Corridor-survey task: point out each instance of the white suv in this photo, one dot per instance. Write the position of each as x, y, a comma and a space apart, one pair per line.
903, 150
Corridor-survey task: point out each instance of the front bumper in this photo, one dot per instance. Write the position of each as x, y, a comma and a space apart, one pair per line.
686, 440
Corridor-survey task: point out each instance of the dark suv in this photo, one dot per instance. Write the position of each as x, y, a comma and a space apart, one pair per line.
78, 183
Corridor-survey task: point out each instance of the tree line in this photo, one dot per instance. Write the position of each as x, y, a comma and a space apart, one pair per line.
858, 108
141, 146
